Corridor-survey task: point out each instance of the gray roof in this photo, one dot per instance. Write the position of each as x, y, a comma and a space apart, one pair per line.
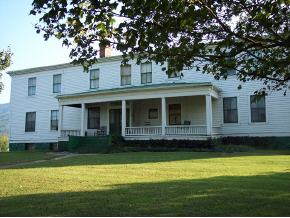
60, 66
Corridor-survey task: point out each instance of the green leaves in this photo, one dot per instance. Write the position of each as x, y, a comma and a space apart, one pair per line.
212, 35
5, 62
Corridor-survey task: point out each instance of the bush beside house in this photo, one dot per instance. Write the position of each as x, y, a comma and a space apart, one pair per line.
4, 143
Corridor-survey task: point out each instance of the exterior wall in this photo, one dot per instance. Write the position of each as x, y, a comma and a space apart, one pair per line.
74, 80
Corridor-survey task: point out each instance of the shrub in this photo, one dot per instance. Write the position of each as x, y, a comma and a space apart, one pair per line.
4, 143
233, 148
258, 142
163, 145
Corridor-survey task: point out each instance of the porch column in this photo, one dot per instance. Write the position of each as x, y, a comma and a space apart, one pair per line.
60, 120
208, 115
131, 113
83, 120
163, 114
123, 117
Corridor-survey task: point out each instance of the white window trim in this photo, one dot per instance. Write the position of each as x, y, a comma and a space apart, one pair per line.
126, 85
250, 114
49, 125
89, 75
238, 107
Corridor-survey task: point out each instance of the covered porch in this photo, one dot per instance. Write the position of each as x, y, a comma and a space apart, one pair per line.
183, 112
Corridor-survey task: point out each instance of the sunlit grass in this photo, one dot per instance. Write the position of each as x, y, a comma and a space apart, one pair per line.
150, 184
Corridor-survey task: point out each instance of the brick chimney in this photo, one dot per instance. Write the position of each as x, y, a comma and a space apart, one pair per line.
105, 51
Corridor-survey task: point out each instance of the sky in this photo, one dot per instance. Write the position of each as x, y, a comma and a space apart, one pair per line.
29, 48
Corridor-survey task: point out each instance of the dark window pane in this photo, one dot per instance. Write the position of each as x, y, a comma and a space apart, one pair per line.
30, 122
258, 109
31, 86
57, 83
94, 78
54, 120
230, 110
153, 113
94, 118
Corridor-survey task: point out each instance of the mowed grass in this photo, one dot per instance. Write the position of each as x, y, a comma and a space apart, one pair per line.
9, 158
150, 184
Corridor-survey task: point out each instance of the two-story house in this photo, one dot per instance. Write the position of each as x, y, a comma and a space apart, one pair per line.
138, 102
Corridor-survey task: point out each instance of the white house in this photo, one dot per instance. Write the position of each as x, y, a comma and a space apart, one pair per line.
139, 102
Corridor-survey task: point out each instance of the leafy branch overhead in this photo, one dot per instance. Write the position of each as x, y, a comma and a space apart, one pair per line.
5, 62
250, 36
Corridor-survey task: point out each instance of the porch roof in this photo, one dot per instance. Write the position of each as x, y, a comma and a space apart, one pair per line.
150, 87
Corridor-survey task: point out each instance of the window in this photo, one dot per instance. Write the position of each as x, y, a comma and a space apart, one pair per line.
230, 110
258, 109
54, 120
153, 113
231, 72
94, 118
30, 122
174, 114
146, 72
125, 75
94, 78
31, 86
57, 83
175, 73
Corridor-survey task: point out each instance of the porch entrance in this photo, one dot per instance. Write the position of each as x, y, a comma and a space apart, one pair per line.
115, 120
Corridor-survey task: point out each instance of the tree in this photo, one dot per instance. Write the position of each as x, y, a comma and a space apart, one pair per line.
5, 62
250, 36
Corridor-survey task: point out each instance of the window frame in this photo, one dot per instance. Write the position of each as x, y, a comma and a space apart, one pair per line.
237, 109
97, 78
56, 84
31, 86
30, 126
250, 111
128, 77
174, 114
96, 118
150, 111
52, 120
146, 73
176, 74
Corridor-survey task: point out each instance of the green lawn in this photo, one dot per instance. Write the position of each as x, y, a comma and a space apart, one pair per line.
150, 184
8, 158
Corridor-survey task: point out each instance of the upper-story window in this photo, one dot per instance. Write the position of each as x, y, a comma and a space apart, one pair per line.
258, 109
174, 72
94, 78
125, 74
57, 83
146, 72
230, 110
31, 86
30, 122
54, 120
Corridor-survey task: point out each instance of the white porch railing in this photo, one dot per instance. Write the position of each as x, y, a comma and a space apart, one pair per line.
143, 130
72, 132
185, 130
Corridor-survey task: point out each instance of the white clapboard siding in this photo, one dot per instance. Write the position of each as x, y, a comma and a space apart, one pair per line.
74, 80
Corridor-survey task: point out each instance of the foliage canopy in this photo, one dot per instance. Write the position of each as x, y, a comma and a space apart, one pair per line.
5, 62
250, 36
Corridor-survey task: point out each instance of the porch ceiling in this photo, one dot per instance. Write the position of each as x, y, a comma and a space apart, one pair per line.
142, 92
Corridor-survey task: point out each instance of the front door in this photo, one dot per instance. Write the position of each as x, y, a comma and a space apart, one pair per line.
115, 121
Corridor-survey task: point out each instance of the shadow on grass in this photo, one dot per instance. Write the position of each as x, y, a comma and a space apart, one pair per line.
144, 157
262, 195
